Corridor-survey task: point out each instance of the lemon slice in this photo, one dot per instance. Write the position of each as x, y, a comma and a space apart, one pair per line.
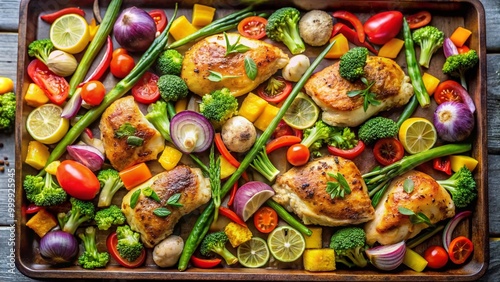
253, 253
417, 135
46, 125
286, 244
70, 33
302, 113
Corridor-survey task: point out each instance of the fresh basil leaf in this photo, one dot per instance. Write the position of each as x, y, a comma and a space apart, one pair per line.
250, 68
408, 185
174, 200
214, 76
124, 130
134, 198
354, 93
235, 48
405, 211
162, 212
135, 141
150, 193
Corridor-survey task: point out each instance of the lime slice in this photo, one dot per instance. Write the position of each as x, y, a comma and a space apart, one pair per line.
252, 198
302, 113
417, 135
286, 244
70, 33
253, 253
46, 125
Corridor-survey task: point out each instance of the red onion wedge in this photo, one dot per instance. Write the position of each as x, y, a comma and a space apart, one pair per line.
73, 105
250, 197
450, 226
87, 155
387, 257
191, 132
449, 48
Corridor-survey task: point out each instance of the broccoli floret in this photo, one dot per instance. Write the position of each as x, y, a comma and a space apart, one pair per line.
107, 217
458, 65
169, 62
219, 106
157, 115
129, 246
40, 49
430, 40
377, 128
283, 26
316, 136
7, 111
216, 243
352, 64
462, 187
343, 139
43, 190
264, 166
172, 87
81, 211
110, 184
349, 244
91, 258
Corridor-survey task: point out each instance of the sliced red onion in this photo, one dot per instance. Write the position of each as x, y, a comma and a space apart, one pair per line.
466, 99
250, 197
453, 121
134, 29
387, 257
73, 105
58, 247
450, 226
191, 132
449, 48
87, 155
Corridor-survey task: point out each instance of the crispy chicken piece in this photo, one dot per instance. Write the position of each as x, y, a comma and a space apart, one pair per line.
303, 191
209, 54
329, 90
193, 188
118, 151
427, 197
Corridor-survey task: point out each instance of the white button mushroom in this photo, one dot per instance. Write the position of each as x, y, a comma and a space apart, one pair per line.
168, 251
238, 134
295, 68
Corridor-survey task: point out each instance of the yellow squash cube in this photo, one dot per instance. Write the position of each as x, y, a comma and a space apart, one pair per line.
340, 47
202, 14
237, 234
35, 96
391, 49
252, 107
170, 157
226, 168
37, 155
319, 259
431, 82
314, 241
181, 28
266, 117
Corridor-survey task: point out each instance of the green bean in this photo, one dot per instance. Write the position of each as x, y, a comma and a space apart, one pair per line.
408, 111
414, 68
288, 218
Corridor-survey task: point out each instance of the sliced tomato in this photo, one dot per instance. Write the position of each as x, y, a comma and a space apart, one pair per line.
93, 92
111, 244
265, 219
460, 249
253, 27
55, 87
419, 19
349, 153
160, 19
146, 89
275, 89
449, 90
388, 151
205, 263
297, 154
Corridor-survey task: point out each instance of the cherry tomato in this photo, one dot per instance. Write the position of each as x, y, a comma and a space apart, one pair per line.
384, 26
419, 19
160, 19
297, 154
146, 90
460, 249
253, 27
436, 257
112, 242
121, 63
349, 153
119, 51
388, 151
93, 92
55, 87
265, 219
205, 263
463, 49
275, 90
77, 180
449, 90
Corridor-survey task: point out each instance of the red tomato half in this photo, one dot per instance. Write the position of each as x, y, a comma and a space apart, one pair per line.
388, 151
55, 87
419, 19
160, 19
112, 242
436, 257
349, 153
449, 90
297, 154
265, 219
146, 89
275, 89
384, 26
93, 92
77, 180
253, 27
460, 249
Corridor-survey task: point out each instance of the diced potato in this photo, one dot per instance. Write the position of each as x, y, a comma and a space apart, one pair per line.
340, 47
170, 157
252, 107
266, 117
314, 241
37, 155
391, 49
202, 14
226, 168
42, 222
319, 259
237, 234
35, 96
181, 28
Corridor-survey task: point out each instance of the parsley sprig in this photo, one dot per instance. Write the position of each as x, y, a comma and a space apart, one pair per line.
368, 96
415, 218
339, 188
236, 47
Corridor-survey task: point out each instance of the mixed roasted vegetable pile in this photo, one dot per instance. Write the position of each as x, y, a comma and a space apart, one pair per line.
237, 141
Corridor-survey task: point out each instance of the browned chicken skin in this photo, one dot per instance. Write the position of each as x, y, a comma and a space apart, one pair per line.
120, 154
189, 182
427, 197
329, 90
209, 54
303, 191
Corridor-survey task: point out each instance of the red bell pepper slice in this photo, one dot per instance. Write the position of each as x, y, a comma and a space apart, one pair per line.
348, 153
55, 87
111, 244
231, 215
103, 64
354, 20
227, 155
282, 141
50, 18
205, 263
233, 194
352, 36
442, 164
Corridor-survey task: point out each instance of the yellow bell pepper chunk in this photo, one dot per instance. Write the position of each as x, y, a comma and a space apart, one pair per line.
226, 168
181, 105
37, 155
459, 161
391, 49
266, 117
170, 158
52, 167
340, 47
431, 82
35, 96
202, 15
252, 107
459, 36
319, 259
181, 28
315, 241
93, 27
414, 261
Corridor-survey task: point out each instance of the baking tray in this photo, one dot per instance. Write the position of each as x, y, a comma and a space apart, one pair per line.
447, 15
